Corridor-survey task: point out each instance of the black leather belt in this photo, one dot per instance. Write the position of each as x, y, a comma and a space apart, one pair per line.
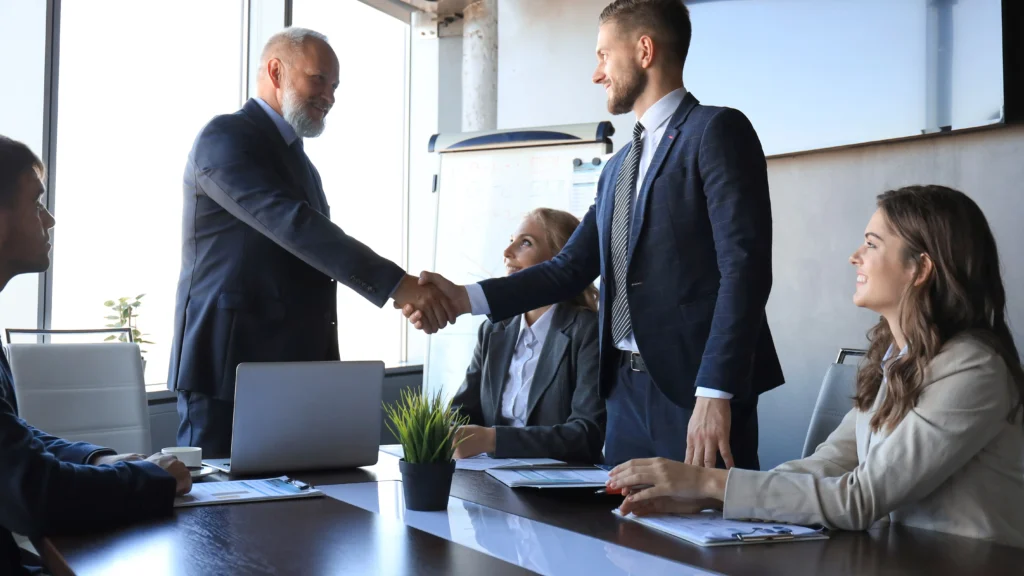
634, 361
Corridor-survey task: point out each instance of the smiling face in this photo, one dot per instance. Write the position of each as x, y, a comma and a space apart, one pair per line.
529, 246
307, 89
883, 270
618, 68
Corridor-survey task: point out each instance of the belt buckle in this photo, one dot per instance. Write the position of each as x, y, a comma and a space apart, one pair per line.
636, 363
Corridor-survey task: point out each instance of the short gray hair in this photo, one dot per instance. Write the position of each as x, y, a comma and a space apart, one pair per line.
293, 38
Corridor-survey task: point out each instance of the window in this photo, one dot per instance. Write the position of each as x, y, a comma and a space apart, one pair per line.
360, 156
23, 32
137, 82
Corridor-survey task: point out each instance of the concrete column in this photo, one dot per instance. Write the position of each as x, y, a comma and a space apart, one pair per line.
480, 66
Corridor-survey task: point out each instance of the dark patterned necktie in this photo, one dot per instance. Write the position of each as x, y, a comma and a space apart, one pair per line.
622, 212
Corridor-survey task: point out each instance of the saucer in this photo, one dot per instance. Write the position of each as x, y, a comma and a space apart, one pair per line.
204, 471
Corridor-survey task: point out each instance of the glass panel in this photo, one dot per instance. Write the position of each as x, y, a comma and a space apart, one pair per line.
137, 82
23, 32
360, 156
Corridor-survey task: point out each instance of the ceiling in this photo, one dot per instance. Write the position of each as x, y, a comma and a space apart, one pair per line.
442, 7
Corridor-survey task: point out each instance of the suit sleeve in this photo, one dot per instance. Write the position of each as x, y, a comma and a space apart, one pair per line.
733, 168
581, 437
556, 280
74, 452
956, 416
230, 171
467, 399
42, 495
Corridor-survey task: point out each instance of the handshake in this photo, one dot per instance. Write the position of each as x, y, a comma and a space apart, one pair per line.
431, 301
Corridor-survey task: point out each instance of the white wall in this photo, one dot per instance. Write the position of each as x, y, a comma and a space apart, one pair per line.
820, 201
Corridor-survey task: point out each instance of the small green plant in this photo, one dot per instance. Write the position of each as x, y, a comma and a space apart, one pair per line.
124, 316
425, 426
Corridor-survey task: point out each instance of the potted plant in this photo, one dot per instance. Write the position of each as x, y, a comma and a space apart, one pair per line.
123, 316
425, 425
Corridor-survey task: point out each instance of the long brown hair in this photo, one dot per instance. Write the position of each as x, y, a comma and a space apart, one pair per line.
558, 227
963, 294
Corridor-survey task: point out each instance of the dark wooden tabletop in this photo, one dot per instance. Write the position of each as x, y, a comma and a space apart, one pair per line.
891, 550
325, 536
308, 537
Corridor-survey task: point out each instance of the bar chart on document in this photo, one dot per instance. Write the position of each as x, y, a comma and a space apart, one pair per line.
483, 194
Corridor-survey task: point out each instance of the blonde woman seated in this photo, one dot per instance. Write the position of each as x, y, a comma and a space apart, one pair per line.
936, 439
531, 390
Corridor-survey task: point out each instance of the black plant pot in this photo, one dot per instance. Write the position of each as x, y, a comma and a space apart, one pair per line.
426, 486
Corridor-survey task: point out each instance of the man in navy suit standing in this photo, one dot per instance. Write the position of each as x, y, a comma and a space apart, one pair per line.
681, 236
49, 485
260, 255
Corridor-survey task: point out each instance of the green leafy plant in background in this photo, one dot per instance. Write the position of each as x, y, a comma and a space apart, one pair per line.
124, 316
425, 425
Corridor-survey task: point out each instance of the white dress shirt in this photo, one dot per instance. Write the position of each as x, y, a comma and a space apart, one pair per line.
655, 121
516, 395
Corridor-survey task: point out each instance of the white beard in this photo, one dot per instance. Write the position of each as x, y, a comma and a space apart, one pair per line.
296, 116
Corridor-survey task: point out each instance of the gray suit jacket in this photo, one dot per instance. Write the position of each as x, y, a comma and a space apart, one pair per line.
954, 464
565, 414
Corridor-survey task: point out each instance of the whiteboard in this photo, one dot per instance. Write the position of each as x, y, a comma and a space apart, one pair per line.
482, 197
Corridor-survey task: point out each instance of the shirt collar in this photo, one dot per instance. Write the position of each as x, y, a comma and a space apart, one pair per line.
662, 110
888, 354
286, 130
540, 328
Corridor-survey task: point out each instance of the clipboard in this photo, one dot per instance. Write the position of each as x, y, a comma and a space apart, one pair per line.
709, 529
239, 491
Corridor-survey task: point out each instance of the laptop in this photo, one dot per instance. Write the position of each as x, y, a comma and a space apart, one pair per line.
292, 416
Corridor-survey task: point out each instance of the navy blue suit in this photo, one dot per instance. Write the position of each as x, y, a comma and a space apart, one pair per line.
46, 488
699, 276
260, 257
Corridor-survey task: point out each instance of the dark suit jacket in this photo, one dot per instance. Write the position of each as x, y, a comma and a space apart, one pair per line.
259, 262
700, 261
46, 489
565, 413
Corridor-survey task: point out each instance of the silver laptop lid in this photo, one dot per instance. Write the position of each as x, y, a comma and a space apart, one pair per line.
293, 416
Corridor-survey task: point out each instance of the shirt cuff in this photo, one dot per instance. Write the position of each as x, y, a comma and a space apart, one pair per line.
101, 452
395, 289
477, 301
712, 393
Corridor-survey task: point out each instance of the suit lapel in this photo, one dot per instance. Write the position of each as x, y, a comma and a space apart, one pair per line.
667, 141
551, 354
502, 346
294, 159
605, 217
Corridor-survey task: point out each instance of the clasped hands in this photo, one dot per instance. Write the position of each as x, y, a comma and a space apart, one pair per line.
431, 301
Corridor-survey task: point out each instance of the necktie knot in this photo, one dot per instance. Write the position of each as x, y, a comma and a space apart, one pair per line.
638, 131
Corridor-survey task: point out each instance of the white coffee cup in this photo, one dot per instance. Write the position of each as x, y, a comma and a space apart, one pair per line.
187, 455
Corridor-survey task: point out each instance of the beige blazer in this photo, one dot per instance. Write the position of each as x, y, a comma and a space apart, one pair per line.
954, 464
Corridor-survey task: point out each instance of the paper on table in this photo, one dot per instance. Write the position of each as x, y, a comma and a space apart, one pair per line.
542, 478
483, 462
479, 462
209, 493
709, 529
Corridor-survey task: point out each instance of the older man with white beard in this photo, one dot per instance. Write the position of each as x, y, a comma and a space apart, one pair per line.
260, 255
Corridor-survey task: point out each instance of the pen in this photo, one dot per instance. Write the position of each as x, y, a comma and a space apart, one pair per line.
298, 484
636, 488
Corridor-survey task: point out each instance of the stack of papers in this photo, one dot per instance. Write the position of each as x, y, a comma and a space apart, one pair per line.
482, 461
563, 477
210, 493
709, 529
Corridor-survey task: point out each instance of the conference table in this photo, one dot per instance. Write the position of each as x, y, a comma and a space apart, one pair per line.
361, 527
